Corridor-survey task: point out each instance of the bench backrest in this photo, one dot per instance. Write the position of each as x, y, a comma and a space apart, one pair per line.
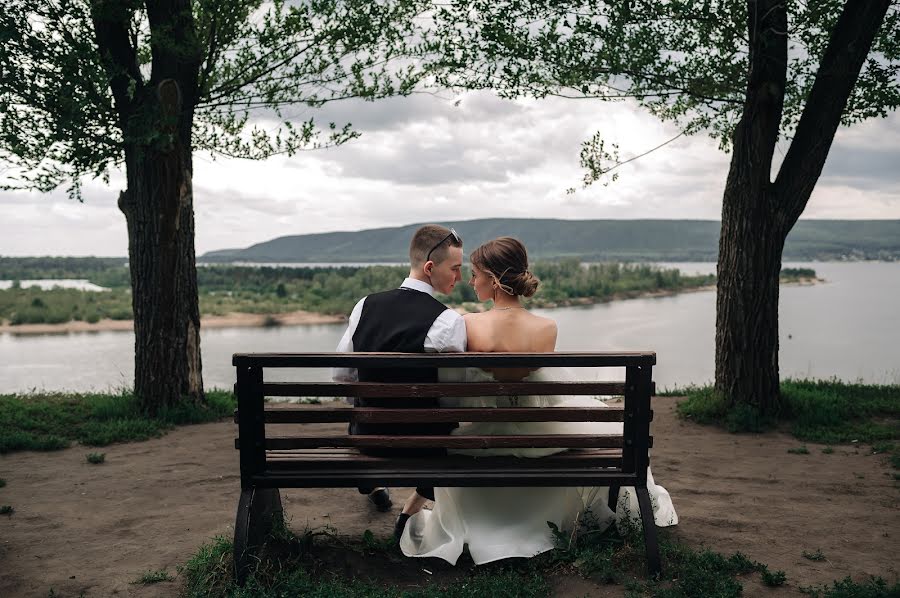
311, 460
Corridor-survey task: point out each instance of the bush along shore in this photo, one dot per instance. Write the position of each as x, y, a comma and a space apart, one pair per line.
330, 291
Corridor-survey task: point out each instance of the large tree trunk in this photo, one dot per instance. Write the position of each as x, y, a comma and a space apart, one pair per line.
757, 214
156, 119
749, 265
158, 207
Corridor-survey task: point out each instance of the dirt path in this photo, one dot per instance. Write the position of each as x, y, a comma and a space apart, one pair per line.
96, 528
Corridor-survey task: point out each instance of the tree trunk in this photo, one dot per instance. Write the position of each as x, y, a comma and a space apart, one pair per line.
749, 266
752, 237
757, 215
158, 207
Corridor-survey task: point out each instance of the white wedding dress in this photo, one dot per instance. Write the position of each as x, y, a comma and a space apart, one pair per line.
499, 523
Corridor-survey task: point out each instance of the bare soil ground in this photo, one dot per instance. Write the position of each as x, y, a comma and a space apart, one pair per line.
95, 529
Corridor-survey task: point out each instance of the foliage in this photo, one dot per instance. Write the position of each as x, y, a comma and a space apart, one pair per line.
827, 411
96, 458
52, 421
151, 577
800, 450
59, 120
874, 587
293, 570
332, 290
6, 510
818, 555
685, 62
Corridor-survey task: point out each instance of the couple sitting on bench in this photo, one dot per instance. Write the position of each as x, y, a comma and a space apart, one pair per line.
495, 523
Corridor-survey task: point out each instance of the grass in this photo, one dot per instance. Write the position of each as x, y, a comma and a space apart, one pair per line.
95, 458
826, 411
2, 482
814, 556
800, 450
6, 510
874, 587
44, 422
828, 450
151, 577
310, 564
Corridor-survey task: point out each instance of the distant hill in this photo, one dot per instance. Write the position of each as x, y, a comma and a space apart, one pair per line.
590, 240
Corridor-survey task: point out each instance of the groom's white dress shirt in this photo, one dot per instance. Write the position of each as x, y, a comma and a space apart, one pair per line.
446, 335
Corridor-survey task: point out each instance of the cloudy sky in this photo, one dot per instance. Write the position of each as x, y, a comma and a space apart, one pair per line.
455, 157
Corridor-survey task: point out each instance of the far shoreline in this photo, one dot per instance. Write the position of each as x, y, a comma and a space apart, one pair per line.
307, 318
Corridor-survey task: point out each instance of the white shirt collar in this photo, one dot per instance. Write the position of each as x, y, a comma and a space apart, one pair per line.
417, 285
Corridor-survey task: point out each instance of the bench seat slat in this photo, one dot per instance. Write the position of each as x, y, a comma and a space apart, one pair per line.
492, 360
302, 460
438, 389
297, 415
454, 442
393, 477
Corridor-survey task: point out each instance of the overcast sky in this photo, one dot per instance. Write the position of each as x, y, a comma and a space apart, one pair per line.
456, 157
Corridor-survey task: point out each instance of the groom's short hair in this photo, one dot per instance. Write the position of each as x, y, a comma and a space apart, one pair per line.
434, 238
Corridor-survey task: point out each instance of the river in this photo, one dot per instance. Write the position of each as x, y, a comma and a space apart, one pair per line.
847, 327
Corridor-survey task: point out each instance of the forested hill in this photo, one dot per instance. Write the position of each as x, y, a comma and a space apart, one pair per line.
590, 240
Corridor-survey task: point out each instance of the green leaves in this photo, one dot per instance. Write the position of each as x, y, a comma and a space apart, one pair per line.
78, 77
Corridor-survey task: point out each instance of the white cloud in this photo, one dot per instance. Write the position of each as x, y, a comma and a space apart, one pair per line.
425, 158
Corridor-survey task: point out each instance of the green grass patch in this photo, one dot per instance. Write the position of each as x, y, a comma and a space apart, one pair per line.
828, 450
826, 411
96, 458
2, 483
310, 564
800, 450
814, 556
44, 422
151, 577
874, 587
6, 510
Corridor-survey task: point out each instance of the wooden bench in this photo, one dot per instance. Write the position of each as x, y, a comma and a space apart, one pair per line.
269, 462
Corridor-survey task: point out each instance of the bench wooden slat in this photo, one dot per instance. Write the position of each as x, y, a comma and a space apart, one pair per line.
439, 389
350, 459
393, 477
300, 415
454, 442
490, 360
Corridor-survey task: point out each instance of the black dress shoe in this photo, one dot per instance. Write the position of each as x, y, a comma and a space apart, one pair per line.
400, 526
381, 498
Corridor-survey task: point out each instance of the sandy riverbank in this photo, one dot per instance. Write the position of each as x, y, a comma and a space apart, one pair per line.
232, 320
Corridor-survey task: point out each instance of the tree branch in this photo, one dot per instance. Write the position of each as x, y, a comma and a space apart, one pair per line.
112, 30
839, 69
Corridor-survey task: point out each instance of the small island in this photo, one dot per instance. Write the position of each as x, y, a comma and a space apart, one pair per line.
242, 296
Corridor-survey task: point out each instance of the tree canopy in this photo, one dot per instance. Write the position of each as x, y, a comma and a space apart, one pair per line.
59, 82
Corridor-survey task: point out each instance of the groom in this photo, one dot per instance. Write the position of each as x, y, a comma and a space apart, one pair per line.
408, 320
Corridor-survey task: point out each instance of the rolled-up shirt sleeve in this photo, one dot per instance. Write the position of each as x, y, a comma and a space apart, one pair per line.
346, 346
447, 334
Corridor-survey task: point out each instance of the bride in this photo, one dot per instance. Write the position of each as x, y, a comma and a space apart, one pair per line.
498, 523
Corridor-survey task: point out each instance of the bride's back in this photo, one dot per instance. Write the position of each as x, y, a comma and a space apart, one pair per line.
513, 330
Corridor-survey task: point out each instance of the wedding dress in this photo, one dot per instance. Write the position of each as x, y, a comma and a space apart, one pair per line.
499, 523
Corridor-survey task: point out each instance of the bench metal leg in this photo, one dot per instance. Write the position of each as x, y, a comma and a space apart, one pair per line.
654, 565
259, 509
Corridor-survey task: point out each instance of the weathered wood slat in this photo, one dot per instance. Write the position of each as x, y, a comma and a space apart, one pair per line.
489, 360
287, 461
301, 415
450, 442
341, 478
439, 389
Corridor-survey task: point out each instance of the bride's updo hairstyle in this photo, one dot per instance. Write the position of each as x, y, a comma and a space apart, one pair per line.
505, 260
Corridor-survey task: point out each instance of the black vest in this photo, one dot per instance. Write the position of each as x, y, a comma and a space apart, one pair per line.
397, 321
